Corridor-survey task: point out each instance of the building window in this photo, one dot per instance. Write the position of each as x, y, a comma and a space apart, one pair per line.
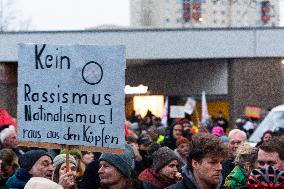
223, 12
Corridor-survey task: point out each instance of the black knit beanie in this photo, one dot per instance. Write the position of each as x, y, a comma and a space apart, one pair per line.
28, 159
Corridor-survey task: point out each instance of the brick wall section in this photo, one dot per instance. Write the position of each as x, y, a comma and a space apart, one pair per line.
8, 87
257, 82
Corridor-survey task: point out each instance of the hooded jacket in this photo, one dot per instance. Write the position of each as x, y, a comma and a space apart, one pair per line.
19, 179
188, 181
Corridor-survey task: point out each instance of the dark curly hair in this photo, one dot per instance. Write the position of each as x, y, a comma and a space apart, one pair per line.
205, 144
274, 145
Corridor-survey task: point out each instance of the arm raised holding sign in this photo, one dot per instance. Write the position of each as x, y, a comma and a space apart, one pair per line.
62, 175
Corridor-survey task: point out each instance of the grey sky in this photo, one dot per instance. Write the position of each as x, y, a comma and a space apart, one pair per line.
75, 14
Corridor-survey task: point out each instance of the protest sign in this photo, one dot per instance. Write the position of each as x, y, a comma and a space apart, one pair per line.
72, 95
177, 112
252, 111
189, 105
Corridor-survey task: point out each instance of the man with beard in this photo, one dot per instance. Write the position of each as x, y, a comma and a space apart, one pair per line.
204, 165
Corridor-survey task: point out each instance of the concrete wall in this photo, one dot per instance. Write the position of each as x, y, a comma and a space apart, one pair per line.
256, 82
162, 44
181, 77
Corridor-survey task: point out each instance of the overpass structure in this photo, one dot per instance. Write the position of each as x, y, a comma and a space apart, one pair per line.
241, 65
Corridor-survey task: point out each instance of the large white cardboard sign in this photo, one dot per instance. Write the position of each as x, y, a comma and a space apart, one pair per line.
71, 94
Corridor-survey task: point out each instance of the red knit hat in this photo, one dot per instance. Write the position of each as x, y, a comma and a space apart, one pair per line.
182, 140
5, 118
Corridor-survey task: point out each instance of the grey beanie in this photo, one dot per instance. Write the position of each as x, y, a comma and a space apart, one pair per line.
28, 159
60, 159
122, 162
162, 157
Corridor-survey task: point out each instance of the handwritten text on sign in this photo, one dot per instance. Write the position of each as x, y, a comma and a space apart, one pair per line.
71, 94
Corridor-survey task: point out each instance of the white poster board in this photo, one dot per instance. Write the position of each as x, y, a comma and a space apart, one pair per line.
71, 94
177, 112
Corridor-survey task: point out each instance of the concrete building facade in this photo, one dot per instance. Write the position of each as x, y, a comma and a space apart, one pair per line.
204, 13
241, 66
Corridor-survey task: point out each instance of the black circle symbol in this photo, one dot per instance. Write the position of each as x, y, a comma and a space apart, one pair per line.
92, 73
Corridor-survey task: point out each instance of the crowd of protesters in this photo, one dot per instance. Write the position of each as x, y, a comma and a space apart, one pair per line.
210, 155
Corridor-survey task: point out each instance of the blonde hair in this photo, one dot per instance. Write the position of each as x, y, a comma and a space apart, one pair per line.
246, 154
41, 183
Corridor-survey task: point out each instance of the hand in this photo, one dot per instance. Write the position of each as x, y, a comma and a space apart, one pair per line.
67, 180
178, 176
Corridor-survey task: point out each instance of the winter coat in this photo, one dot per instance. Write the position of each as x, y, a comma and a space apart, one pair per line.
91, 179
3, 182
227, 168
154, 178
236, 178
19, 179
188, 181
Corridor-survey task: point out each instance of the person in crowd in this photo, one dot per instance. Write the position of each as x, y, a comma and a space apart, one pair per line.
221, 121
41, 183
203, 169
267, 135
182, 150
236, 138
61, 175
164, 171
279, 133
218, 131
34, 163
8, 165
266, 178
87, 157
176, 131
133, 118
271, 153
143, 145
245, 162
187, 127
9, 139
91, 179
77, 154
116, 171
140, 163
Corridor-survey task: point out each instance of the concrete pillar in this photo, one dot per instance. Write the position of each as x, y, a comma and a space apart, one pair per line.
8, 87
255, 82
